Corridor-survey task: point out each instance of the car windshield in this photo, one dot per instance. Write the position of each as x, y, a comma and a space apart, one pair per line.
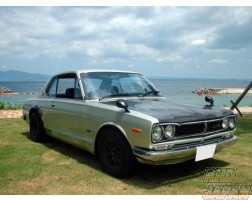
101, 85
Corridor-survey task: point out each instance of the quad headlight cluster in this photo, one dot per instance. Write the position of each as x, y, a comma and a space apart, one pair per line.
229, 123
163, 133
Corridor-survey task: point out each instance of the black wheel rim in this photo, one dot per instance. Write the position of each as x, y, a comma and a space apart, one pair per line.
112, 154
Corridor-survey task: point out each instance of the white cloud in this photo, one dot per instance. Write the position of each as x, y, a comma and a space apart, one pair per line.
199, 42
170, 58
104, 61
218, 61
179, 36
242, 16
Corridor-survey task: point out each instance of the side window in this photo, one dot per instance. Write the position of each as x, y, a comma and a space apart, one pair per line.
64, 84
53, 88
65, 87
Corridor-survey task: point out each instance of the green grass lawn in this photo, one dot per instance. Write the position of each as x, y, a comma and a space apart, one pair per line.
57, 168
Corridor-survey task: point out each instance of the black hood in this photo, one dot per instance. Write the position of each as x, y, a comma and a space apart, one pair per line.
168, 111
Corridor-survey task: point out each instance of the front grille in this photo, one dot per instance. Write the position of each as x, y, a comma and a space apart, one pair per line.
196, 129
214, 126
189, 129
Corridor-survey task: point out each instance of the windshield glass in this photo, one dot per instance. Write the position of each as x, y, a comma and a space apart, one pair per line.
99, 85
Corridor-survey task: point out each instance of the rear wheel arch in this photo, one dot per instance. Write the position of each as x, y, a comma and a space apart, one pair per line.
37, 110
37, 131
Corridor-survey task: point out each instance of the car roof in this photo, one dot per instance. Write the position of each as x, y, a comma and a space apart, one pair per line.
95, 70
99, 70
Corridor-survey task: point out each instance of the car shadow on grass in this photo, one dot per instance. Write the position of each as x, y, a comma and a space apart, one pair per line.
165, 175
68, 150
146, 176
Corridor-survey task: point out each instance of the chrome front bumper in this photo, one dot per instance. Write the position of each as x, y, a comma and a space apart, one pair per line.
172, 156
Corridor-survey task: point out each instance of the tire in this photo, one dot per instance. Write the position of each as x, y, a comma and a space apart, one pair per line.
115, 154
37, 132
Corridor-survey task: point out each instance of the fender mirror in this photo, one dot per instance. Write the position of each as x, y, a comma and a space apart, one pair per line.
120, 103
209, 100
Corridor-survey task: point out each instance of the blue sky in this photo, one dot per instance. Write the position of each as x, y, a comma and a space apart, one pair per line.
194, 42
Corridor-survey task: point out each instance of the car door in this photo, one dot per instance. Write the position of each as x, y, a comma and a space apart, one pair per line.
65, 118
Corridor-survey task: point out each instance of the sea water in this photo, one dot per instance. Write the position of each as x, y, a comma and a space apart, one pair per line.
176, 90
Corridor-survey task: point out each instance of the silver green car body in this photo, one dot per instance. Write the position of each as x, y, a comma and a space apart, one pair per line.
79, 121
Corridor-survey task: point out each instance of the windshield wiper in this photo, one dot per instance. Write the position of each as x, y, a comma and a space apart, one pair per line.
146, 93
115, 95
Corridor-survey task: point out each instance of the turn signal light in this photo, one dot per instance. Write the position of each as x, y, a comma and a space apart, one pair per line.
136, 130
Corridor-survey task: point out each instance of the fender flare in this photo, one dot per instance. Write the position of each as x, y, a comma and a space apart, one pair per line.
108, 125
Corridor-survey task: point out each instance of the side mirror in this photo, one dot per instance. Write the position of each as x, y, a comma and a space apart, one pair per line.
209, 100
120, 103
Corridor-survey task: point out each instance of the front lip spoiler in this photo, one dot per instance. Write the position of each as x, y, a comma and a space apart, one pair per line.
175, 156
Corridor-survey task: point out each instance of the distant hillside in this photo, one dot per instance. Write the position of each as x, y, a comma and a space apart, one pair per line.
13, 75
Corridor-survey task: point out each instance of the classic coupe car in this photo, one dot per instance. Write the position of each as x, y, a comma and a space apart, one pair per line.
122, 118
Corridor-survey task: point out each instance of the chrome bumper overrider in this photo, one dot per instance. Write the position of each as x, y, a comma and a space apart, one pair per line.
181, 154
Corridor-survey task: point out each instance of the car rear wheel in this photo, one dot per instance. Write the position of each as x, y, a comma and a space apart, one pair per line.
115, 154
37, 132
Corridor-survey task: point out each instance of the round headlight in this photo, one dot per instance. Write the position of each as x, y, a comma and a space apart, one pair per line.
157, 134
169, 131
225, 123
232, 123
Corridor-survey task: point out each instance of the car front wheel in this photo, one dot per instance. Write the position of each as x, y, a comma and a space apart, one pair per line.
115, 154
